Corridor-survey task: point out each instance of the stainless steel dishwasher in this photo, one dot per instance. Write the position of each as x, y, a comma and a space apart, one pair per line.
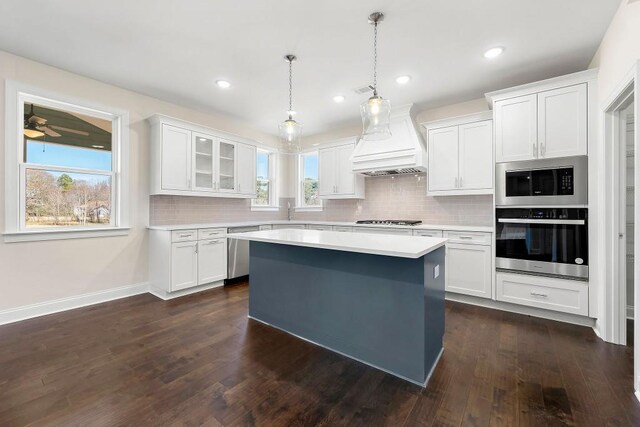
238, 255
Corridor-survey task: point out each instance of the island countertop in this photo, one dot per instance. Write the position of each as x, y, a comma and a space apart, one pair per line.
374, 244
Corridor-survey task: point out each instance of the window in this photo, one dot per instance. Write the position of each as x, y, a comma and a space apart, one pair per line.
308, 197
69, 174
266, 183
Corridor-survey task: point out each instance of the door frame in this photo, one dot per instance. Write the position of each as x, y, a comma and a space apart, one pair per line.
612, 321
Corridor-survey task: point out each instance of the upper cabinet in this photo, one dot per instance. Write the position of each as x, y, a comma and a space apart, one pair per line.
335, 177
189, 160
545, 120
460, 152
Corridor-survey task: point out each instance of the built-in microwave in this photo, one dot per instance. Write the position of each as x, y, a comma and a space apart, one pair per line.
544, 182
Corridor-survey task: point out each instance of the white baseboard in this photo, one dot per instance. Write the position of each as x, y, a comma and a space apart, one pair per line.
164, 295
629, 312
49, 307
522, 309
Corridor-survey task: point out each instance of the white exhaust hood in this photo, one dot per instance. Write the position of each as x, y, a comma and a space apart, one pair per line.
404, 152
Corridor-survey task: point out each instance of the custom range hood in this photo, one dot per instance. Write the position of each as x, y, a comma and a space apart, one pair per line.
404, 152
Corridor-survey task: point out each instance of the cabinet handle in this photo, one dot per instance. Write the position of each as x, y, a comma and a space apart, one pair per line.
537, 294
214, 242
465, 237
186, 235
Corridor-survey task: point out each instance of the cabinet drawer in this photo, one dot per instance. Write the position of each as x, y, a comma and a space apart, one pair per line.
428, 233
184, 235
470, 237
342, 229
567, 296
319, 227
391, 231
288, 227
266, 227
211, 233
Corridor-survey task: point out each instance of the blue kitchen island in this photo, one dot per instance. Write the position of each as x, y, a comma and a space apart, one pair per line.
378, 299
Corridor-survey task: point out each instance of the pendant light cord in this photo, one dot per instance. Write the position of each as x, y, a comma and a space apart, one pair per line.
375, 58
290, 87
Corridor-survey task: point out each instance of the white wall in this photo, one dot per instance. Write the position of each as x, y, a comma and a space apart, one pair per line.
34, 272
619, 50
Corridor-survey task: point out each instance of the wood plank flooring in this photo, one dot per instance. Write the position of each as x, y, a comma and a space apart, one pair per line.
198, 360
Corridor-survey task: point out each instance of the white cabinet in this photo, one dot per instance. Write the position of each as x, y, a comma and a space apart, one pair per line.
335, 176
516, 128
562, 122
319, 227
246, 169
212, 260
184, 265
183, 259
428, 233
469, 269
288, 227
175, 150
460, 156
567, 296
547, 124
475, 155
443, 159
392, 231
190, 160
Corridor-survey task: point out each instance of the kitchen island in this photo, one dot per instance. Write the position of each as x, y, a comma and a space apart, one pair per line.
378, 299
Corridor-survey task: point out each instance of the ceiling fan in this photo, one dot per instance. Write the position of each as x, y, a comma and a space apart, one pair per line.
36, 126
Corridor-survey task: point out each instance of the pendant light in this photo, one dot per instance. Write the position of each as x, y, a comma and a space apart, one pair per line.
376, 111
290, 130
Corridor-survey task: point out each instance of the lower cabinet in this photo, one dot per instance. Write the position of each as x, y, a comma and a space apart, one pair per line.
179, 260
567, 296
469, 269
184, 265
212, 260
319, 227
392, 231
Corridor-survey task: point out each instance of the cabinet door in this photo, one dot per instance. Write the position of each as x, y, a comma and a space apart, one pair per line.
562, 122
176, 158
327, 171
469, 269
345, 179
476, 155
246, 169
227, 167
212, 261
203, 160
516, 128
184, 265
443, 159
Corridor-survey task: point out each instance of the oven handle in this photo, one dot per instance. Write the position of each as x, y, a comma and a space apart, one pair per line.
542, 221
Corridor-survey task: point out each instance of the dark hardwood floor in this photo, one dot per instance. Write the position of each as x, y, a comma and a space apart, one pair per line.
198, 360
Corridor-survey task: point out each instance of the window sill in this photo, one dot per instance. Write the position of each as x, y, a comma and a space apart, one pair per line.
308, 208
265, 208
43, 235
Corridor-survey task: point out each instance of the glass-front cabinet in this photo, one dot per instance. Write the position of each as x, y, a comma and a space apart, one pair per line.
226, 166
204, 154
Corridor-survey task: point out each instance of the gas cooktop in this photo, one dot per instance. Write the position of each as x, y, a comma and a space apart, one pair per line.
389, 221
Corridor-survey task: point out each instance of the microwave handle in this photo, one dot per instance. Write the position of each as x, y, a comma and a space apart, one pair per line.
541, 221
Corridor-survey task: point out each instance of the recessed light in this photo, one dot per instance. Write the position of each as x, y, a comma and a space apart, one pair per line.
494, 52
97, 146
338, 98
402, 80
223, 84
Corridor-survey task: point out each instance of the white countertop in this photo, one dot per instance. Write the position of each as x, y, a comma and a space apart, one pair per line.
375, 244
337, 223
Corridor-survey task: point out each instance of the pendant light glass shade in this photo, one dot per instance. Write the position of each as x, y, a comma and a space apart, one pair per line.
376, 117
290, 135
290, 130
376, 111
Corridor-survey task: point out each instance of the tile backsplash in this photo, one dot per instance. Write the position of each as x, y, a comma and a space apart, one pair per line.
404, 197
398, 197
168, 210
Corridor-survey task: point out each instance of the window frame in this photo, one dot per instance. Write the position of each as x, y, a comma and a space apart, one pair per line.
300, 205
272, 179
17, 94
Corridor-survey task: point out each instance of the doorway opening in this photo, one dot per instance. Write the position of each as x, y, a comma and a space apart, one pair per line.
627, 219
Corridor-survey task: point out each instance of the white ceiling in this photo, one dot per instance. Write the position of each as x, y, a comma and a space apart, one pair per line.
176, 50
